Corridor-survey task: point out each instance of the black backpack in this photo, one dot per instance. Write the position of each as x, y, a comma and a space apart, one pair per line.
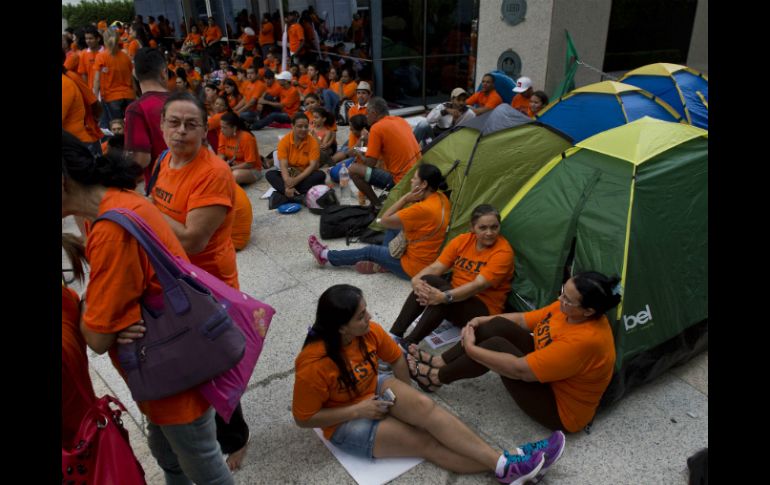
345, 221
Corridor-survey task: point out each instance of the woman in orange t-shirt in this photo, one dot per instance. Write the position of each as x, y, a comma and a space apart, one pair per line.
193, 43
181, 428
339, 388
238, 147
424, 223
231, 92
482, 268
112, 78
195, 191
556, 362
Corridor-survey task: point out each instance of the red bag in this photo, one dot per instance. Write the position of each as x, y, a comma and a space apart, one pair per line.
101, 453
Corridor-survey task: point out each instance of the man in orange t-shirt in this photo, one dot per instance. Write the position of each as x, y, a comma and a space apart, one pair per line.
253, 90
212, 33
288, 104
296, 36
391, 145
266, 35
486, 99
524, 92
363, 93
88, 56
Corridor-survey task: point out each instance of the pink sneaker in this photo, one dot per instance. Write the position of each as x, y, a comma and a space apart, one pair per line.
317, 248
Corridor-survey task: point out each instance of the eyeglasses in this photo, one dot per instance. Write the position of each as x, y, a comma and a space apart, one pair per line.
176, 123
564, 299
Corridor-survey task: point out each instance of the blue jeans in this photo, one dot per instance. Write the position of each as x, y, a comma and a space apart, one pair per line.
422, 131
330, 100
189, 452
116, 109
249, 116
279, 116
357, 436
371, 252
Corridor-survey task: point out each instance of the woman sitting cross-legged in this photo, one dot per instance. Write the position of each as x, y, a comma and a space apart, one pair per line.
337, 382
482, 268
298, 155
556, 374
424, 223
238, 147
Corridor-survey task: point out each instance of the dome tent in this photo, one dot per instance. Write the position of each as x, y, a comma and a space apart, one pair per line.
631, 201
598, 107
684, 89
486, 161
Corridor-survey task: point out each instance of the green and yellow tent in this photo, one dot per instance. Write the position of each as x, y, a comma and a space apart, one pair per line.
486, 161
631, 201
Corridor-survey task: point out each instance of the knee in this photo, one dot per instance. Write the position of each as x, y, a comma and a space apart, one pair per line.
425, 408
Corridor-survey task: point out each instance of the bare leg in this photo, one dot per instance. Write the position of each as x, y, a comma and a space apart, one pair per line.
357, 172
396, 438
244, 177
420, 411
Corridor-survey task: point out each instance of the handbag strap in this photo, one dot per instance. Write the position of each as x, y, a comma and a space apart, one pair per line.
162, 260
435, 230
155, 173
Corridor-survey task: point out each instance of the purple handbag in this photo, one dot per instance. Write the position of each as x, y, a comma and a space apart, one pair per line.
190, 338
250, 315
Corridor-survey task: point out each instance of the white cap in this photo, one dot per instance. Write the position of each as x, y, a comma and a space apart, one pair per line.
458, 92
363, 86
249, 31
284, 76
522, 84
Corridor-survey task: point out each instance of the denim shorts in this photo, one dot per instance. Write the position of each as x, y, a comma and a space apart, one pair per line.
379, 178
357, 436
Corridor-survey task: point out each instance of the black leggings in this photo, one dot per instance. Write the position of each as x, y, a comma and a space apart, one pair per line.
459, 313
234, 435
276, 180
501, 335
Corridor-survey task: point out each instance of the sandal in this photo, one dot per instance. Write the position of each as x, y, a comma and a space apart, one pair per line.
419, 356
414, 372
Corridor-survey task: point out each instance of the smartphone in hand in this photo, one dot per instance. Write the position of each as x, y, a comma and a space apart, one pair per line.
387, 395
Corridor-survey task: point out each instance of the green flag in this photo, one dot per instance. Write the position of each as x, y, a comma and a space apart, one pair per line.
570, 67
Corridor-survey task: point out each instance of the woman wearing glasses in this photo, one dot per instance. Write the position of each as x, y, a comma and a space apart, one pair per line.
558, 372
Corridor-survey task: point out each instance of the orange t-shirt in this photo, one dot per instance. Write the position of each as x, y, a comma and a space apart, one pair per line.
356, 110
86, 65
485, 100
254, 90
248, 41
399, 152
296, 34
215, 122
89, 98
576, 358
212, 34
301, 155
290, 100
72, 61
495, 264
205, 181
246, 146
348, 90
73, 110
303, 82
195, 39
271, 64
316, 378
520, 103
424, 220
315, 86
75, 378
266, 36
121, 274
274, 90
243, 218
248, 62
154, 30
101, 25
115, 76
133, 48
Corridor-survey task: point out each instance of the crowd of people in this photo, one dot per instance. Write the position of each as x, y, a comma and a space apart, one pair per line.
179, 149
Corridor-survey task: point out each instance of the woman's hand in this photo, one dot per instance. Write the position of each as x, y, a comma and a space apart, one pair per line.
290, 191
415, 195
372, 408
468, 337
135, 331
478, 321
428, 295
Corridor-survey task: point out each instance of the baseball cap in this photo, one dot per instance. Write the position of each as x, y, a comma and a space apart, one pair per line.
458, 91
522, 84
284, 76
363, 86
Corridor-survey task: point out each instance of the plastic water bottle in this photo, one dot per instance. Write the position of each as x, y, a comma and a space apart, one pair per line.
344, 181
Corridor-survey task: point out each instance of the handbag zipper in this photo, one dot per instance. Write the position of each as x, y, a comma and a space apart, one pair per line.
143, 350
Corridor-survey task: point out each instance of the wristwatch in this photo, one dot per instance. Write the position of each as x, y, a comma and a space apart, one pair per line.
449, 297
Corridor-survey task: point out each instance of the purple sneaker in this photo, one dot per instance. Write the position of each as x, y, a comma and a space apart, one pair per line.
553, 447
317, 248
520, 468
